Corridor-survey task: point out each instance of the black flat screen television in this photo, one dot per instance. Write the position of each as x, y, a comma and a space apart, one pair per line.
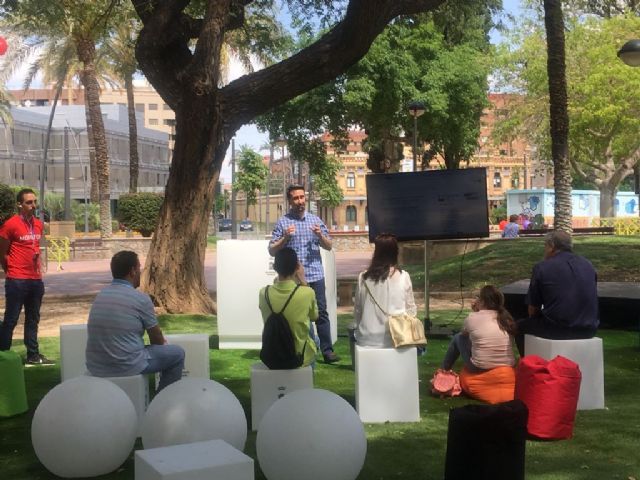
430, 205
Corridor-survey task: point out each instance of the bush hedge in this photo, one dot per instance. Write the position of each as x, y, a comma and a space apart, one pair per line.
7, 202
139, 211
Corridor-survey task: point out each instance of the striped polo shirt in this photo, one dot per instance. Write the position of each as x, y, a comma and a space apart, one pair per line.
118, 319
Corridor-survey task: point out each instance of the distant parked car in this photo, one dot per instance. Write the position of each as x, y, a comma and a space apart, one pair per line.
224, 224
246, 226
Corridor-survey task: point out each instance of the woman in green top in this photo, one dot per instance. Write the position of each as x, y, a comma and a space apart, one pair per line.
302, 308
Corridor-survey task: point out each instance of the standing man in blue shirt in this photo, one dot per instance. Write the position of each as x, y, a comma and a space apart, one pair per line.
306, 233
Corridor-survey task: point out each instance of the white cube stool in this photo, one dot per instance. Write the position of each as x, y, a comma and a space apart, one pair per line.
196, 349
267, 386
586, 353
193, 461
73, 343
137, 389
387, 385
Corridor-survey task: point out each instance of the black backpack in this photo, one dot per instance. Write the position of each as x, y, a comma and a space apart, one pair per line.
278, 347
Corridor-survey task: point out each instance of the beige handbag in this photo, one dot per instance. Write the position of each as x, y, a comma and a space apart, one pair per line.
406, 330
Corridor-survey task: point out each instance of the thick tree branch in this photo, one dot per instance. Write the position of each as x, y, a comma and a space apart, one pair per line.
331, 55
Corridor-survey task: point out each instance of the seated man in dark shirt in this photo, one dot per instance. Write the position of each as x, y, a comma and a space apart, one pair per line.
562, 298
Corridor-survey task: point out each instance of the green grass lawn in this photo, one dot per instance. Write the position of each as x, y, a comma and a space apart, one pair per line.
616, 258
605, 443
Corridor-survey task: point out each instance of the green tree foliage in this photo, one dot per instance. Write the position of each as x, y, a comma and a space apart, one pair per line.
604, 118
139, 211
252, 175
440, 58
7, 203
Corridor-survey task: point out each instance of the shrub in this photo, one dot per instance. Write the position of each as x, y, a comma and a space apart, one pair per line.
497, 214
7, 203
93, 216
139, 211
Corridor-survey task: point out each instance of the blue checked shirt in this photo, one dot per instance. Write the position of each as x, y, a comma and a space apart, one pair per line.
305, 243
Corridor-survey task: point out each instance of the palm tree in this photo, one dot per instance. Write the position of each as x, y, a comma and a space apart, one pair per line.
119, 49
82, 25
558, 113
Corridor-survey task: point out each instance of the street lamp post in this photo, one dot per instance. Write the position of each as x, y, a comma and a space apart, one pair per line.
234, 232
415, 110
269, 187
629, 53
282, 142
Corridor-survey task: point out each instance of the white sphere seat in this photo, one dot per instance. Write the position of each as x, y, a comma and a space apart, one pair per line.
84, 427
311, 434
194, 410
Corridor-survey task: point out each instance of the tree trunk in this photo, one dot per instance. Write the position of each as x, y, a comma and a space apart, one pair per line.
86, 54
93, 169
177, 283
134, 160
607, 200
558, 114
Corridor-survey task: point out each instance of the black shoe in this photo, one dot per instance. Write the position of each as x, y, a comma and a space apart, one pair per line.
38, 359
330, 357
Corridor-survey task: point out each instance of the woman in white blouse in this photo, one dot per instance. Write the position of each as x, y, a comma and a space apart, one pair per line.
392, 290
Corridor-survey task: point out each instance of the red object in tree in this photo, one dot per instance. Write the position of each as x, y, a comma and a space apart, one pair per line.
3, 46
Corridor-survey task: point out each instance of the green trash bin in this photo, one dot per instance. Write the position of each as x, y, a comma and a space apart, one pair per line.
13, 394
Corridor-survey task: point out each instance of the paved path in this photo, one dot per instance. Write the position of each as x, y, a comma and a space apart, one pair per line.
87, 277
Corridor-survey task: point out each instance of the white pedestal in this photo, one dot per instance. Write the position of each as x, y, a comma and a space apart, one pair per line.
239, 320
387, 385
137, 389
586, 353
196, 349
73, 343
193, 461
267, 386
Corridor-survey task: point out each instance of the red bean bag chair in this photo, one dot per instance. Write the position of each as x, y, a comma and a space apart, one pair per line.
492, 386
550, 390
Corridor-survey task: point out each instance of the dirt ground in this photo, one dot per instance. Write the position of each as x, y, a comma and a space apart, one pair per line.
59, 310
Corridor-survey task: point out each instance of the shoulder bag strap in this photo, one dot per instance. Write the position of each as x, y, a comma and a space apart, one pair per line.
372, 297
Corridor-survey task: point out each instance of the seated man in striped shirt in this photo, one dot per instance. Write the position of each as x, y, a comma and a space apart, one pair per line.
118, 319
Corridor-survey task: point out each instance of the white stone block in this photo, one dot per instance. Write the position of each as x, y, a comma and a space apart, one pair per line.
587, 353
212, 459
387, 385
196, 349
239, 320
267, 386
137, 389
73, 343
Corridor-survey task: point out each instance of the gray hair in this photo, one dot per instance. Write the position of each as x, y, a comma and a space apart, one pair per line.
559, 240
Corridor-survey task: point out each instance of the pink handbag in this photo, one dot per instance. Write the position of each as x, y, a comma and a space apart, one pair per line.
445, 383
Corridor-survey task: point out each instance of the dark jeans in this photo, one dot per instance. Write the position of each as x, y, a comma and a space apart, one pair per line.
543, 328
460, 346
322, 324
19, 292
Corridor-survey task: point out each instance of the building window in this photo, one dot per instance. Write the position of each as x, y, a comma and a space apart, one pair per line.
157, 179
22, 171
39, 172
169, 121
515, 180
352, 214
153, 121
165, 107
497, 180
153, 106
351, 180
139, 107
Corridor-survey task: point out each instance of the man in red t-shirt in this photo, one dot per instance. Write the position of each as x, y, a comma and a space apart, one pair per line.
20, 259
